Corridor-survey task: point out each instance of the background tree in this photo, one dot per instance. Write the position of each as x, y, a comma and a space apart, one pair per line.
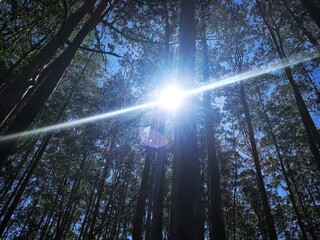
84, 58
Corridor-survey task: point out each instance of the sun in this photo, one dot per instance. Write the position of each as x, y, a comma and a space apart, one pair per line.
170, 98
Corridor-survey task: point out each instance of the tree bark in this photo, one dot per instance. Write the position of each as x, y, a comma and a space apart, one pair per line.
312, 134
26, 177
159, 178
284, 171
16, 89
264, 198
216, 209
137, 231
24, 184
157, 216
309, 224
186, 208
51, 79
61, 228
85, 222
100, 190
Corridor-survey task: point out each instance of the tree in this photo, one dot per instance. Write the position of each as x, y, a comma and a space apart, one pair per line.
231, 163
186, 210
49, 80
216, 210
313, 136
313, 10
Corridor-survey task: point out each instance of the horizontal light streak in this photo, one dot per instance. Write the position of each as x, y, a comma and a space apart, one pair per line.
253, 73
60, 126
237, 78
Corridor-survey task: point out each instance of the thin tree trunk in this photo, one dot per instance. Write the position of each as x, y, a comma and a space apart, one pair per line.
4, 80
100, 189
216, 209
50, 80
312, 82
61, 228
16, 89
87, 213
309, 224
150, 204
158, 188
283, 169
234, 193
24, 184
265, 204
299, 22
157, 218
137, 231
313, 136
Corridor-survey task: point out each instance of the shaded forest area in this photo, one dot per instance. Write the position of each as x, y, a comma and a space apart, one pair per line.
240, 161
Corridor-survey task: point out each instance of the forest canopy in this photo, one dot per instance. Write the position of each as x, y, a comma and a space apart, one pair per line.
161, 119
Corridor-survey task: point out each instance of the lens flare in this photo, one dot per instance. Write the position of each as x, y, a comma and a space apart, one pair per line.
172, 93
171, 98
254, 73
60, 126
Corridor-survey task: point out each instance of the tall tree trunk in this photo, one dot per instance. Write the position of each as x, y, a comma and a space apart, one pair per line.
4, 80
24, 184
150, 204
157, 216
100, 189
17, 88
159, 178
300, 24
11, 179
284, 171
235, 187
186, 208
34, 163
62, 229
216, 210
51, 77
312, 82
98, 200
312, 134
263, 194
137, 231
309, 224
87, 215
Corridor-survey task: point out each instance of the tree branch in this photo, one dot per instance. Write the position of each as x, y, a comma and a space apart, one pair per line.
96, 50
127, 36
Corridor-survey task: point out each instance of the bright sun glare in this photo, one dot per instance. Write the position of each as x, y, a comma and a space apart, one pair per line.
171, 98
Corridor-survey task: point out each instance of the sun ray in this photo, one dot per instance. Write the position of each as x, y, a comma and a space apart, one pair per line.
214, 84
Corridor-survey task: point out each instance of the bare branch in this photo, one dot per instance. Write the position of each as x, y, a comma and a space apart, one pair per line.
97, 50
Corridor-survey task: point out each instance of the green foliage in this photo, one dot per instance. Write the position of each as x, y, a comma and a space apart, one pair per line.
87, 181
